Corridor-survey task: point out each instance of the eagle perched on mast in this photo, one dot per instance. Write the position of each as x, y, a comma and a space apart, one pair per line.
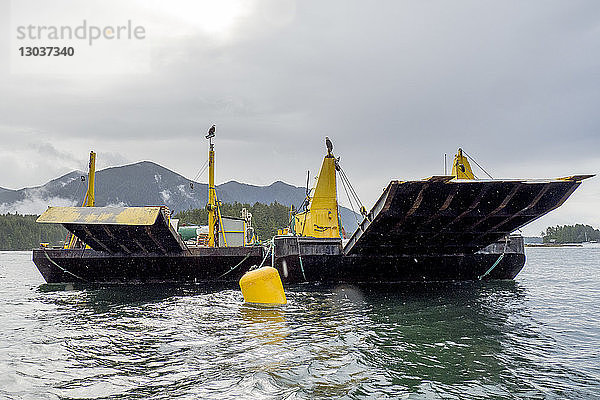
211, 132
329, 146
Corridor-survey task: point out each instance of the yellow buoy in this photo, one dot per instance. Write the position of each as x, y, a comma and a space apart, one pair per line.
263, 285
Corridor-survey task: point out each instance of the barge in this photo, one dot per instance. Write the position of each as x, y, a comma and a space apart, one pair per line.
443, 228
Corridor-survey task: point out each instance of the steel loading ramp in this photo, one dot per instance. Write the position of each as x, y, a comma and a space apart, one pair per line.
444, 216
118, 229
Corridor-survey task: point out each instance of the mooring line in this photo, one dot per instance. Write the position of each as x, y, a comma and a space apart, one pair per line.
264, 258
492, 267
240, 263
497, 261
300, 258
63, 269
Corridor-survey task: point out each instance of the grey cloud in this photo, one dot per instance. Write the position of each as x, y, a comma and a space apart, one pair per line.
394, 84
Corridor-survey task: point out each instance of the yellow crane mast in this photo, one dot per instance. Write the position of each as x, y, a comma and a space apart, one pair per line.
212, 206
321, 217
461, 169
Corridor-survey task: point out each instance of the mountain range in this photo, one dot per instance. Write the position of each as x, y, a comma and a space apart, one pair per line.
147, 183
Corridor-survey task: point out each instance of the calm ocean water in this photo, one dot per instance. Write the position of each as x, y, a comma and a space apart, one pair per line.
537, 337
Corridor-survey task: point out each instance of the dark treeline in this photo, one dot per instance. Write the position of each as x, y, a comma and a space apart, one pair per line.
571, 234
266, 219
21, 232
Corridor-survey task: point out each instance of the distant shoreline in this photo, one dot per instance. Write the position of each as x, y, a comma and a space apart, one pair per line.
553, 245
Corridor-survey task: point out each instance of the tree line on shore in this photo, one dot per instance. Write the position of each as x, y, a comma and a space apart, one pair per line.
577, 233
21, 232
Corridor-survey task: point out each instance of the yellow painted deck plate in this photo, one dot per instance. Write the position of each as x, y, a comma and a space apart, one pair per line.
128, 230
100, 215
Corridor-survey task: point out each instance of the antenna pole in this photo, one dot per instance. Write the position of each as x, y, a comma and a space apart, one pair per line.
445, 164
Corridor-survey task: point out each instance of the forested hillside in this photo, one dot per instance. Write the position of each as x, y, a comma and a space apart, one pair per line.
571, 234
21, 232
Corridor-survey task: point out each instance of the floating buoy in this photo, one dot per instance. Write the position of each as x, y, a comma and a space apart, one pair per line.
263, 286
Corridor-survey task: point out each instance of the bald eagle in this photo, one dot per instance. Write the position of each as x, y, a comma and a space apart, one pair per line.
211, 132
329, 145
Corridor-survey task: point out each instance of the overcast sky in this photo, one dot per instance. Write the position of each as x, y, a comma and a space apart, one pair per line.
394, 84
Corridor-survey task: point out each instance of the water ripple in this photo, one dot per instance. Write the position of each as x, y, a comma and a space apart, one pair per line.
538, 337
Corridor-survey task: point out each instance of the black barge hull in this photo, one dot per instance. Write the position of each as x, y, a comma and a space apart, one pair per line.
319, 260
195, 265
322, 260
